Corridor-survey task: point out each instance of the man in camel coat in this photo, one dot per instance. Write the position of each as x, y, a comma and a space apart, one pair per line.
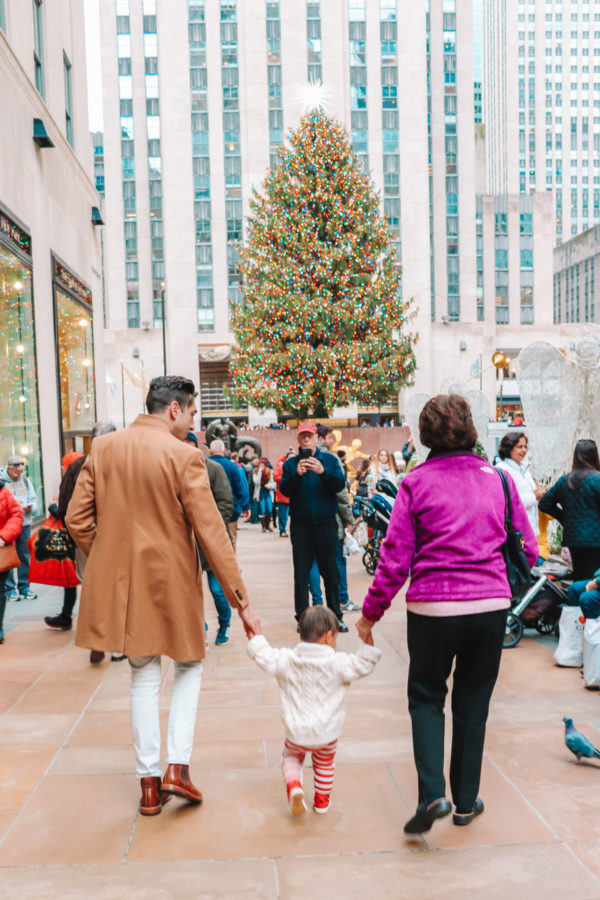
141, 502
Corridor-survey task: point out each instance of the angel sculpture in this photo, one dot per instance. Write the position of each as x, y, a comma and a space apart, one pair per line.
480, 411
561, 400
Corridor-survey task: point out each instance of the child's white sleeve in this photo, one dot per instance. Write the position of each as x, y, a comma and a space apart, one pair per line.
356, 665
266, 657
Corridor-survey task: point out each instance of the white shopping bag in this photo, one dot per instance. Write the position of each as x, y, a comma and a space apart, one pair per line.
591, 653
351, 545
570, 642
360, 533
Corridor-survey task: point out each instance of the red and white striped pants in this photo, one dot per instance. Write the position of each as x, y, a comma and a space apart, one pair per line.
323, 760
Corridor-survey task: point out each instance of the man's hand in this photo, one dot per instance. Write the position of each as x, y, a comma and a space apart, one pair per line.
313, 464
250, 621
591, 585
26, 509
364, 628
246, 514
302, 466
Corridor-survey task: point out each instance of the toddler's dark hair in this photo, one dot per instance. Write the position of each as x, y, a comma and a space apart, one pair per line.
316, 621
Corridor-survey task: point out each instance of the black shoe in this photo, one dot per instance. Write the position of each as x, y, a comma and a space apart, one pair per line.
467, 818
343, 629
426, 815
61, 622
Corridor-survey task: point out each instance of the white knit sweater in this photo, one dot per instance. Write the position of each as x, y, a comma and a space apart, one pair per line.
313, 680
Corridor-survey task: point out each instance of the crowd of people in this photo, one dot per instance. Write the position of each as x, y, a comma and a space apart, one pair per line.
149, 509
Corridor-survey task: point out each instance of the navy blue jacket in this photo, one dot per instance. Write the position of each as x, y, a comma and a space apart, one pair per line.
577, 509
239, 485
312, 496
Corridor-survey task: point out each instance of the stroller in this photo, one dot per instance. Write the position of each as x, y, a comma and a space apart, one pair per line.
540, 606
375, 511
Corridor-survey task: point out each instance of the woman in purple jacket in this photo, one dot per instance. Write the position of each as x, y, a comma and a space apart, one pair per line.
446, 532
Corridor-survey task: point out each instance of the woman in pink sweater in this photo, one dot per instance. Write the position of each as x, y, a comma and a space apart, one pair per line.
446, 532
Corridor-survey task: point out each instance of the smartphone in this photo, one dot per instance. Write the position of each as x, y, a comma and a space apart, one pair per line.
304, 452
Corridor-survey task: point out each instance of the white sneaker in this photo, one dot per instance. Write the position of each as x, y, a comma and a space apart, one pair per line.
297, 802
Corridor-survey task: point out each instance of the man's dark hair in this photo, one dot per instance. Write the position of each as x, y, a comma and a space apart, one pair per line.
322, 430
316, 621
445, 423
509, 442
166, 388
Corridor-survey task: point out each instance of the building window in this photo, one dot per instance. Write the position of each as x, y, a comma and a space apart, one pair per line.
38, 46
68, 102
19, 408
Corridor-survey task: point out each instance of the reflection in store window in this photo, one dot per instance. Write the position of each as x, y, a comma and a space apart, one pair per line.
19, 416
76, 365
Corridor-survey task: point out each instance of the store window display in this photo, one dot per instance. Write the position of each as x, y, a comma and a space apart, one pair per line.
74, 331
19, 406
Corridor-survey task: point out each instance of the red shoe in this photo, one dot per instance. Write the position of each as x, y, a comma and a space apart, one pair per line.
176, 781
322, 803
297, 803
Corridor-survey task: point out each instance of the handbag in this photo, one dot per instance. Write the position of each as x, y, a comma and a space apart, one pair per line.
517, 567
52, 552
9, 558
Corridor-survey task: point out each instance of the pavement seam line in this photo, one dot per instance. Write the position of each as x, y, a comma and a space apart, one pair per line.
50, 764
131, 836
276, 875
542, 819
41, 675
401, 795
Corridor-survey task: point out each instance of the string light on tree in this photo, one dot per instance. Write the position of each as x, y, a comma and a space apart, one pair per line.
321, 322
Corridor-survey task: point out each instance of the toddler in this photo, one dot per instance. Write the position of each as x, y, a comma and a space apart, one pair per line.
313, 680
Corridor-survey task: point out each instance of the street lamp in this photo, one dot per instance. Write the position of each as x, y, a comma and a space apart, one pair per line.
164, 326
500, 361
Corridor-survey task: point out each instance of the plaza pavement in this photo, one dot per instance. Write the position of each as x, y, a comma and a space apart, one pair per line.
69, 825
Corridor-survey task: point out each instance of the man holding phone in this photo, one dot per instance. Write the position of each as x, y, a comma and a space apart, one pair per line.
311, 480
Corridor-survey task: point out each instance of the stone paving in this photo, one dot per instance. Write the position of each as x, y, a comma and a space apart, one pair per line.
69, 825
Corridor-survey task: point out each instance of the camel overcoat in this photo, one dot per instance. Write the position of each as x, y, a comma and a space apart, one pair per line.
140, 499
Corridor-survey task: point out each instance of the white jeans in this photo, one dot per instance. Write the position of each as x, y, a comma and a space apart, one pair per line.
145, 726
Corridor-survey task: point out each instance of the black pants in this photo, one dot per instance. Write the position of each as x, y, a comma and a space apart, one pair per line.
586, 560
434, 642
309, 541
69, 601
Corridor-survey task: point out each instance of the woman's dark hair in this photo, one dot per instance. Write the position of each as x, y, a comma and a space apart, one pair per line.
166, 388
316, 621
585, 460
445, 423
509, 442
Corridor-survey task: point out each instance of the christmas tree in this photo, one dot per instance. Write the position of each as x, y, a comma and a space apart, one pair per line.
321, 319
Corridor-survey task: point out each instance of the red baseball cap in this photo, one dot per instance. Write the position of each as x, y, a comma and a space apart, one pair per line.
307, 426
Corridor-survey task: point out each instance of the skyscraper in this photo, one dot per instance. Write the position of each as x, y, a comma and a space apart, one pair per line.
198, 99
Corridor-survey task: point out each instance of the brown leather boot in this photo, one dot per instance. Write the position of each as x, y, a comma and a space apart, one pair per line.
176, 781
150, 804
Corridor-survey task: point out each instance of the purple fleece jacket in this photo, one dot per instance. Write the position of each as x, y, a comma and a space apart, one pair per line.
446, 532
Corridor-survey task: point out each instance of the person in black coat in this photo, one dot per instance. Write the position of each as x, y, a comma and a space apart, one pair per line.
575, 501
71, 469
311, 480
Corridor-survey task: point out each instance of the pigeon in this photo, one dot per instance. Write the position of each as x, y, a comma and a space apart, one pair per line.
577, 742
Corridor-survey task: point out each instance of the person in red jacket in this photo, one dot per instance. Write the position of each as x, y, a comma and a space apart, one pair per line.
11, 524
283, 502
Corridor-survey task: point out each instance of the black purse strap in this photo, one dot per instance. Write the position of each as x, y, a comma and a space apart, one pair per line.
507, 503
